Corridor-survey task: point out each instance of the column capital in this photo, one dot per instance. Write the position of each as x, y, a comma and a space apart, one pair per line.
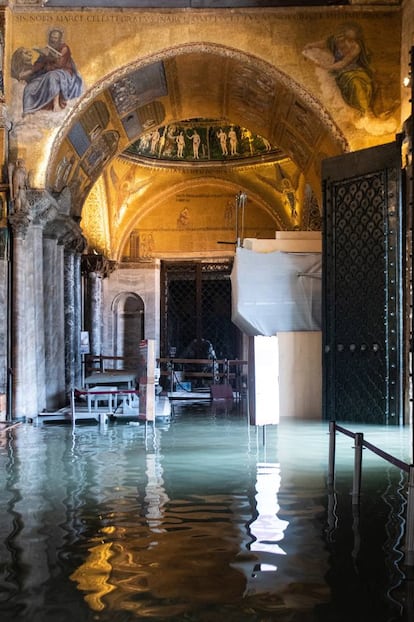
99, 264
20, 223
42, 210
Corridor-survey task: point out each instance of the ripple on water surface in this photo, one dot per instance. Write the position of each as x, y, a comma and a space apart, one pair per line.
207, 520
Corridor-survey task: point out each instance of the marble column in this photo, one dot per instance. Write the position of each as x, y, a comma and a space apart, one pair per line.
77, 320
69, 315
72, 316
24, 399
4, 313
19, 378
45, 305
95, 293
54, 322
5, 274
28, 305
95, 268
38, 315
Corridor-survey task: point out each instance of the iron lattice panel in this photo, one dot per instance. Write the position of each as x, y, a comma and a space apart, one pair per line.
216, 317
182, 320
361, 302
197, 305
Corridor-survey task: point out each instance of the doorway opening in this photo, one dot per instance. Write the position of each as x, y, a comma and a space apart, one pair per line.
196, 307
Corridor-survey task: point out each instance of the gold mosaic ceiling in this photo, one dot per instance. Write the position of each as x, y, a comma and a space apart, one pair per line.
200, 82
263, 107
190, 85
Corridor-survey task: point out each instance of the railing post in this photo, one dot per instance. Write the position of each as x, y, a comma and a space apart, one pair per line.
356, 490
409, 536
332, 446
172, 375
332, 519
72, 406
355, 529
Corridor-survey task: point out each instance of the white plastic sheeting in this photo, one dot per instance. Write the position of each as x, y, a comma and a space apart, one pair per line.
276, 292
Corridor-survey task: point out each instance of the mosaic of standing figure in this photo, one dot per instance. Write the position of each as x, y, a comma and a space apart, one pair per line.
203, 141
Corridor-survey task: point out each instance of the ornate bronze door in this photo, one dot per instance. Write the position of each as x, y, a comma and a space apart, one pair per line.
363, 287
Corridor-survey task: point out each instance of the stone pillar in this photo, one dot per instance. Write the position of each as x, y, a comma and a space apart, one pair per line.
19, 377
46, 301
5, 316
69, 311
72, 315
24, 391
38, 315
95, 268
95, 292
28, 348
4, 313
77, 293
54, 322
27, 219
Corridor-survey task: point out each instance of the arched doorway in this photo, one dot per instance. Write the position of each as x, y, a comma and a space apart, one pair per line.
128, 324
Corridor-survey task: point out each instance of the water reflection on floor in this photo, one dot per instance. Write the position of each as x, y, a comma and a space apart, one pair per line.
207, 520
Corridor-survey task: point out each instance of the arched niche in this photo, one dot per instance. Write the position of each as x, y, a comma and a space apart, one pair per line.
128, 311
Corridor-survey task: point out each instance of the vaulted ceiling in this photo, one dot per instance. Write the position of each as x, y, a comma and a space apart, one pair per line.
196, 86
107, 157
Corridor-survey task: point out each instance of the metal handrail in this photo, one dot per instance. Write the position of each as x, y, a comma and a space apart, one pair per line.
360, 443
376, 450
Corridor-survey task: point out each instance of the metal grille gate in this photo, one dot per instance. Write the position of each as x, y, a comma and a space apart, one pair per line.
363, 276
196, 305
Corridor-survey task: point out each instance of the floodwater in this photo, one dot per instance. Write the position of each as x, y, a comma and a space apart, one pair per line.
202, 519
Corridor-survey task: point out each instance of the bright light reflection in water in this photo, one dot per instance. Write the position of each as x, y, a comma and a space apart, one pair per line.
268, 529
155, 495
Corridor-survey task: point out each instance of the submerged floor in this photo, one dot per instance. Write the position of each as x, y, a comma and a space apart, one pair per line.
207, 519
